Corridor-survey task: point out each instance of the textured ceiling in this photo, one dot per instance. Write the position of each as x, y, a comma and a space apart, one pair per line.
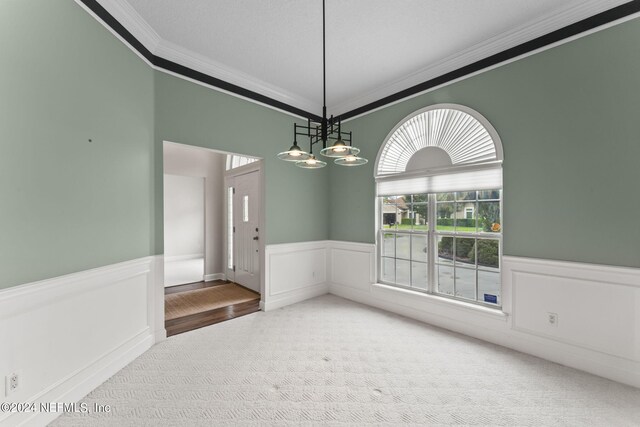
374, 47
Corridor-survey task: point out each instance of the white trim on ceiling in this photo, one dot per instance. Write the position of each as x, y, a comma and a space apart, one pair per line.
217, 89
112, 31
195, 61
143, 58
500, 64
499, 43
126, 15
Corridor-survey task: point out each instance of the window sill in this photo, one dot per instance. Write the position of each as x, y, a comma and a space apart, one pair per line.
449, 302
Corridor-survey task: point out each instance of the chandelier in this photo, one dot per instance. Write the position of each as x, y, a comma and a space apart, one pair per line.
336, 144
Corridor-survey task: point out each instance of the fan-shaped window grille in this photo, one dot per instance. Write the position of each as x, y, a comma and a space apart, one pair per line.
439, 136
444, 147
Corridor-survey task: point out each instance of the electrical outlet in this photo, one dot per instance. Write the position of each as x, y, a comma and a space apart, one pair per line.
552, 319
12, 382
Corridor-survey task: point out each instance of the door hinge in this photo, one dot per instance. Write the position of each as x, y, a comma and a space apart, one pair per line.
234, 228
234, 268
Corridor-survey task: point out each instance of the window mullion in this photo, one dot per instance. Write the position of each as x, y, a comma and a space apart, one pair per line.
431, 241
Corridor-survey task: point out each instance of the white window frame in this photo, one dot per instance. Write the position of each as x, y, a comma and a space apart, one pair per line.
432, 233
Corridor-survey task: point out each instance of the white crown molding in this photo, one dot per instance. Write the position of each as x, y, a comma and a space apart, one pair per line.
501, 42
210, 67
134, 23
126, 15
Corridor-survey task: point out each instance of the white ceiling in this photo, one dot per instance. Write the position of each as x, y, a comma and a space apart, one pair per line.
374, 47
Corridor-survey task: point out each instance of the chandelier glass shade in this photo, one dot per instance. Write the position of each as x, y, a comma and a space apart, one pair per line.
339, 149
294, 154
328, 132
311, 163
350, 160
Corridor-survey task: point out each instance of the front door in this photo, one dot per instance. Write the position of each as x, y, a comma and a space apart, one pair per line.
246, 234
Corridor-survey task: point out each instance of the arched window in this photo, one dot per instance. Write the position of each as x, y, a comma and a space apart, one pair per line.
439, 189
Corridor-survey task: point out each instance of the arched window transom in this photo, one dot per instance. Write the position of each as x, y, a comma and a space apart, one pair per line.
438, 136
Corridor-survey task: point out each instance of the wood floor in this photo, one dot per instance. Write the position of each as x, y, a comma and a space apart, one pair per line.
210, 317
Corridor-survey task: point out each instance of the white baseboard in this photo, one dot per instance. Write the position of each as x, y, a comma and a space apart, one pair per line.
214, 276
69, 334
187, 257
296, 296
608, 346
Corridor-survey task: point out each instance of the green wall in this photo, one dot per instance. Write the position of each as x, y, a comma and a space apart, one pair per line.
296, 199
568, 120
66, 204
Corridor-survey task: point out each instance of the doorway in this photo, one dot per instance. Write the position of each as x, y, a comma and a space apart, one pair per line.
200, 289
244, 236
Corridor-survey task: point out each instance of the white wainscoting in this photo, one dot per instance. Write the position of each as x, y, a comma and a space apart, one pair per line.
352, 264
294, 272
69, 334
597, 309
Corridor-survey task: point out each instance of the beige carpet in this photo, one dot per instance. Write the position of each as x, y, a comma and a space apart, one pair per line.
199, 300
329, 361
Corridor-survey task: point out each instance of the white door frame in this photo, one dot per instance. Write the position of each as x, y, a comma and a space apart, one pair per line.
243, 170
158, 281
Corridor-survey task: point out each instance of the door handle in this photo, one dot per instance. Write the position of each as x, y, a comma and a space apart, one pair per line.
255, 238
